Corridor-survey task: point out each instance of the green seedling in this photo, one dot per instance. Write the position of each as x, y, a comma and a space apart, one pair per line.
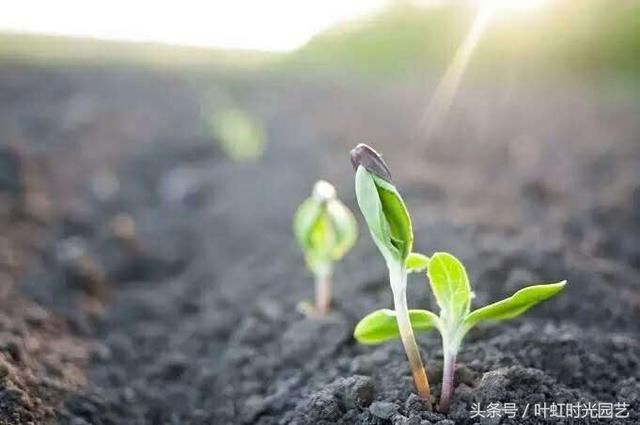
240, 134
450, 286
390, 227
326, 230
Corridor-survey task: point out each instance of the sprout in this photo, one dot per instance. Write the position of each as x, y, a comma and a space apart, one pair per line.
390, 226
450, 286
326, 230
241, 135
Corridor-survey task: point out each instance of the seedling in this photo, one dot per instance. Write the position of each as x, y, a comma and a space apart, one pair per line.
390, 227
326, 230
450, 286
241, 135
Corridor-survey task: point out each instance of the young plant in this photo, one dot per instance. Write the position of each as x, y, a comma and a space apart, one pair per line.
326, 230
450, 286
390, 227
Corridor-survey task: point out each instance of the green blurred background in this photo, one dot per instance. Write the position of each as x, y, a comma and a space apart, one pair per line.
577, 38
580, 37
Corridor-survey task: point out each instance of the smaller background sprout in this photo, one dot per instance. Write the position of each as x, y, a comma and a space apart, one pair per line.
326, 230
240, 134
450, 285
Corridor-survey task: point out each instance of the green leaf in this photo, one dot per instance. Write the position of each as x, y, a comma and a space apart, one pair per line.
369, 202
450, 286
345, 227
381, 325
515, 305
396, 215
416, 263
305, 220
385, 214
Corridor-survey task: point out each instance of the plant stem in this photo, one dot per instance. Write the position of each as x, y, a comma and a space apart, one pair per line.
447, 378
398, 279
323, 292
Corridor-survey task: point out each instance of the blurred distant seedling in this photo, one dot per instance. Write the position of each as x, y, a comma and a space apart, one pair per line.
391, 230
240, 134
326, 230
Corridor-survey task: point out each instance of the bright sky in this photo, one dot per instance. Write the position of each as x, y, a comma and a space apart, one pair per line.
273, 25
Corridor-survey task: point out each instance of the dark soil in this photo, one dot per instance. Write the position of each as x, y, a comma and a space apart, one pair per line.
148, 279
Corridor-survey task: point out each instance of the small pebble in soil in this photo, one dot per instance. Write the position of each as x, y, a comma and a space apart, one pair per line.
403, 420
253, 407
432, 417
358, 391
323, 406
492, 386
383, 409
414, 404
629, 390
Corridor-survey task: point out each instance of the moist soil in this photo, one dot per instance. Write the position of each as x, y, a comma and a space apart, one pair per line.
149, 279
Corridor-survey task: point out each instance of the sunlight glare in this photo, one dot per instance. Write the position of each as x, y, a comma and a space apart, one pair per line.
513, 5
446, 89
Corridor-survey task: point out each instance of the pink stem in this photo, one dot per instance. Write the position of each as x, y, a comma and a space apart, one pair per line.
447, 381
323, 293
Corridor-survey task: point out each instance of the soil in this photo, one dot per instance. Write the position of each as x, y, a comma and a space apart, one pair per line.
149, 279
